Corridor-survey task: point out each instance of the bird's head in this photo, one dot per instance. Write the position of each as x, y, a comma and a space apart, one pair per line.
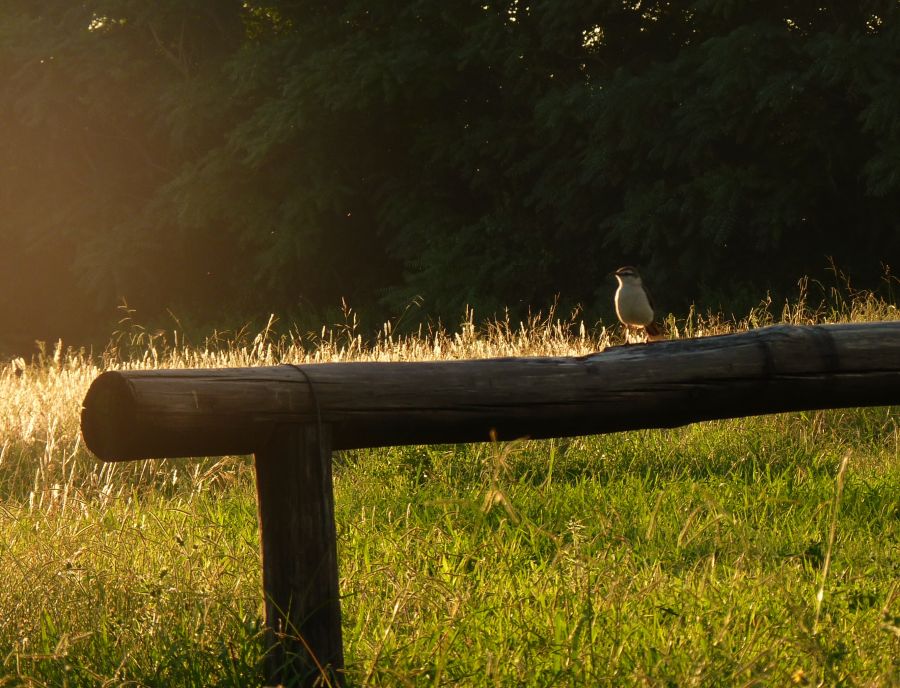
628, 275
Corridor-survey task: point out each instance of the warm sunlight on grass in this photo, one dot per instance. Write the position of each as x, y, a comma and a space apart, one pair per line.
683, 557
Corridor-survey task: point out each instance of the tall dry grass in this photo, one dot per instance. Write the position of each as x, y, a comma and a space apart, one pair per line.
687, 557
44, 464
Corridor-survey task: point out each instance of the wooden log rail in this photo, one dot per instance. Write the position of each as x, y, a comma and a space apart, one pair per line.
293, 417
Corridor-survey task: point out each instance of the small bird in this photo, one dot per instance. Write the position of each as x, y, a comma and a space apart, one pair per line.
633, 304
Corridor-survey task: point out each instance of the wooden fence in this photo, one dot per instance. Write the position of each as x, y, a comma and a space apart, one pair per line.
293, 417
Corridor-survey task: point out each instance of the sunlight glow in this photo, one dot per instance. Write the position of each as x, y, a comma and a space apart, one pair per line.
592, 38
99, 23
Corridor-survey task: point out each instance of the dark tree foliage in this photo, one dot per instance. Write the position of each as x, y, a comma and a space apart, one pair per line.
221, 158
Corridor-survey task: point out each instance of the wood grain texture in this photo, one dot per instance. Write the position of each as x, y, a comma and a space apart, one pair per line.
299, 557
168, 413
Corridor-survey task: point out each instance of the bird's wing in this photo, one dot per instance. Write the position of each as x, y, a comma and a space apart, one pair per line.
651, 328
649, 298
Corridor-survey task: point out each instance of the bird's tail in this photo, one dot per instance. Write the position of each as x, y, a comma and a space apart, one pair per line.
653, 330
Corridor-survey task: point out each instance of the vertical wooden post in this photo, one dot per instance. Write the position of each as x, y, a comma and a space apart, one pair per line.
299, 557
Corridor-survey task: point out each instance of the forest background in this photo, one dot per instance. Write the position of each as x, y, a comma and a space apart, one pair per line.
221, 160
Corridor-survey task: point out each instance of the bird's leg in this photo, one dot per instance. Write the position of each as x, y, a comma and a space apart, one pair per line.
635, 335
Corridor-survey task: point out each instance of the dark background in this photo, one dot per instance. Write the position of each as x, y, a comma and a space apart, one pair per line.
220, 160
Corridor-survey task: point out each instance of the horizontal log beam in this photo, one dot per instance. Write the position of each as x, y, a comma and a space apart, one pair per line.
138, 414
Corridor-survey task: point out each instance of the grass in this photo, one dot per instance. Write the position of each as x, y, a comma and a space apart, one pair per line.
756, 551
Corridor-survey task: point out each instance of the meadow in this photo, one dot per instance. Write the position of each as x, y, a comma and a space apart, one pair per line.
749, 552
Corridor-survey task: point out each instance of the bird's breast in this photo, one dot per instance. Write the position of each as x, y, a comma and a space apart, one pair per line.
632, 307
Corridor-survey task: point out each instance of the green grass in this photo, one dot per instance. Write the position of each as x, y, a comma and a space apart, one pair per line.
666, 558
674, 558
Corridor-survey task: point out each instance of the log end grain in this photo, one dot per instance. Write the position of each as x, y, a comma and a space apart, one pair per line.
108, 419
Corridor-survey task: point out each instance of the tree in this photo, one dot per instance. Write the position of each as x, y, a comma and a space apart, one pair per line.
227, 158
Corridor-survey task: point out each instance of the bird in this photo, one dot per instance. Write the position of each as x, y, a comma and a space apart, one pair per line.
633, 304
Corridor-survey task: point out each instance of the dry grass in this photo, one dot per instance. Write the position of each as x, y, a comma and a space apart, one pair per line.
685, 557
43, 461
